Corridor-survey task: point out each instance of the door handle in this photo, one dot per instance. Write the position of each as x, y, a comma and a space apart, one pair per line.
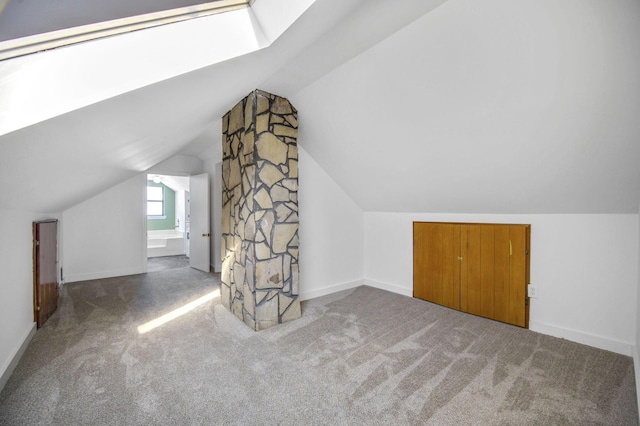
206, 235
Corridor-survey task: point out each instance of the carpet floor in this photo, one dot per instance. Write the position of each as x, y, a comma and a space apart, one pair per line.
362, 356
162, 263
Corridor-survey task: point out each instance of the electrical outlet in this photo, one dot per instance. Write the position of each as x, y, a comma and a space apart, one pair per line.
532, 291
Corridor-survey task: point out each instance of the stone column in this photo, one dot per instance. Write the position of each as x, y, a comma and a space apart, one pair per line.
260, 211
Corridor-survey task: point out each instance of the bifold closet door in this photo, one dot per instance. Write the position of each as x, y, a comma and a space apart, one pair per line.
520, 238
485, 271
492, 273
436, 263
482, 269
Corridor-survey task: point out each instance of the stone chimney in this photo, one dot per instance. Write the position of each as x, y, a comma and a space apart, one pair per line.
260, 211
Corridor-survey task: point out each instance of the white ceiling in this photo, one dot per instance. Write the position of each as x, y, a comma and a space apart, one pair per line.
488, 107
440, 106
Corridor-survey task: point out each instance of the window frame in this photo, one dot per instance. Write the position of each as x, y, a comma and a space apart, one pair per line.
161, 201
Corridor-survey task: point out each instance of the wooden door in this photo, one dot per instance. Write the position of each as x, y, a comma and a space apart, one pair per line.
519, 238
436, 267
493, 278
485, 271
45, 270
481, 269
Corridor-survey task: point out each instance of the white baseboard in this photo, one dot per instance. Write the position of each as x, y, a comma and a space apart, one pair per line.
13, 360
389, 287
305, 295
636, 368
623, 348
105, 274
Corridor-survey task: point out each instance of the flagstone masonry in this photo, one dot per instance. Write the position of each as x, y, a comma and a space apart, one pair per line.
260, 244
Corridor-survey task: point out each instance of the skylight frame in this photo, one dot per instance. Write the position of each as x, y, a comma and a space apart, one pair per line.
54, 39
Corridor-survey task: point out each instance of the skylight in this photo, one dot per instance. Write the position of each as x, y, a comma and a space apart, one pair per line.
63, 28
54, 81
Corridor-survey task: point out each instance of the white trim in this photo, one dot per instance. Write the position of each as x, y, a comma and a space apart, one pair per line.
13, 360
636, 368
106, 274
306, 295
53, 39
389, 287
623, 348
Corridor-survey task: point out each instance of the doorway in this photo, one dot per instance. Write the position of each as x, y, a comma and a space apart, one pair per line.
45, 269
168, 216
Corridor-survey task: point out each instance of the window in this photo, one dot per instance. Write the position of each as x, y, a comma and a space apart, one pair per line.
155, 201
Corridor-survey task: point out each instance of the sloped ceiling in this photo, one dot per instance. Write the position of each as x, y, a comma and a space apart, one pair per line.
57, 163
455, 106
488, 107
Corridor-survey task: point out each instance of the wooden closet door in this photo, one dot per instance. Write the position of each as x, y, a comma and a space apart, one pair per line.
519, 275
436, 264
493, 282
484, 270
502, 291
481, 269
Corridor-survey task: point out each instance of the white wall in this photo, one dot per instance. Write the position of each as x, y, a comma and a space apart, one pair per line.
178, 165
104, 236
488, 107
16, 288
636, 353
180, 209
331, 233
585, 267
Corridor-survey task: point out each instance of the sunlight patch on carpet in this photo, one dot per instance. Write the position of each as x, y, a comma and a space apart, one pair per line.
155, 323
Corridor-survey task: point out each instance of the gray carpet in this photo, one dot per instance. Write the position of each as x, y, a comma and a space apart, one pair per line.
162, 263
363, 356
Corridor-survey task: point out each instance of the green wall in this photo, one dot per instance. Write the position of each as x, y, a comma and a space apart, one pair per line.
169, 210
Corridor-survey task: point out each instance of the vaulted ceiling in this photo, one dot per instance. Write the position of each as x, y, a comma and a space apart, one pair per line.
435, 106
488, 107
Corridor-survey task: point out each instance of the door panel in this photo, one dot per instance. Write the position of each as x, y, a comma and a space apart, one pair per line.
436, 264
199, 227
487, 271
518, 279
451, 266
501, 283
485, 265
45, 270
471, 286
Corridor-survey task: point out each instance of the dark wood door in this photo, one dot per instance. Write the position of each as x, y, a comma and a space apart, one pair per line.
45, 270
